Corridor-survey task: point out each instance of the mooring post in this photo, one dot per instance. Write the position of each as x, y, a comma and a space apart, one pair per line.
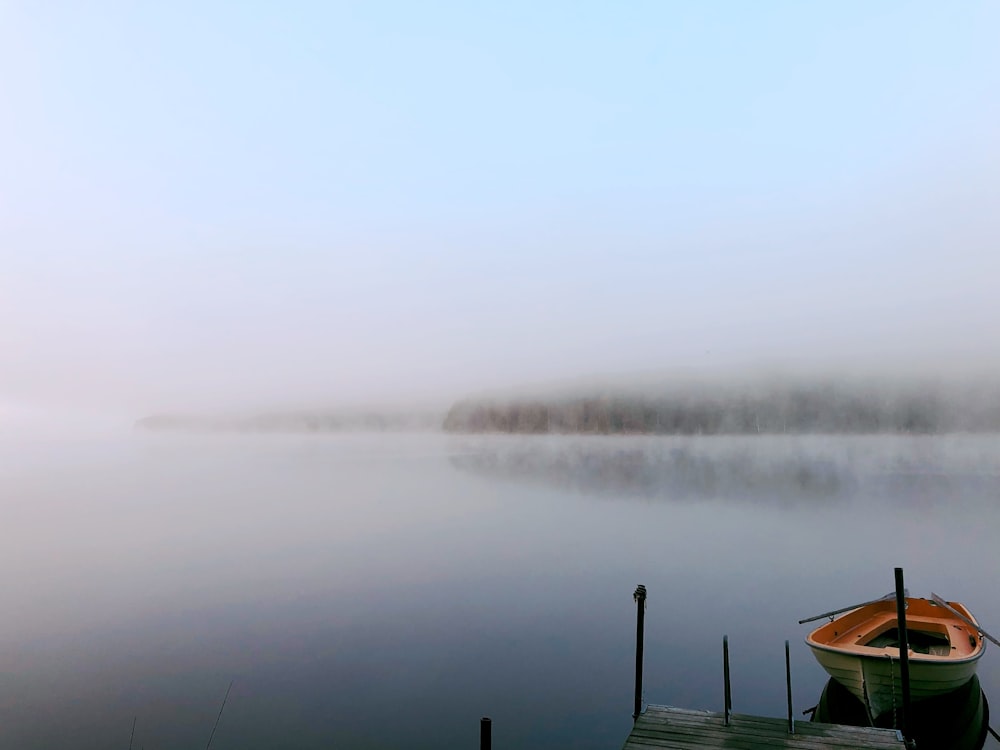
485, 733
788, 686
640, 600
904, 654
725, 678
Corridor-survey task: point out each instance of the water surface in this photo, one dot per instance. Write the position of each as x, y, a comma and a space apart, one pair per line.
377, 591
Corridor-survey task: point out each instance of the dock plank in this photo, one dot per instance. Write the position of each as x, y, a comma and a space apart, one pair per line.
685, 729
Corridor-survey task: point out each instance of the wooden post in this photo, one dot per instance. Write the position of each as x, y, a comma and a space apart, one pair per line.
904, 653
485, 733
788, 685
640, 599
725, 678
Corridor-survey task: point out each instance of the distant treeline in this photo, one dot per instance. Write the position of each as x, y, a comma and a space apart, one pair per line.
806, 409
318, 421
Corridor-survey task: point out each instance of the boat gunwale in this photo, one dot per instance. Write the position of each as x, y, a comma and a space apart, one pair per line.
913, 655
881, 654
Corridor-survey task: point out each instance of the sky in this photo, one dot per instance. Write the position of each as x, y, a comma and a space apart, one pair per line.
222, 205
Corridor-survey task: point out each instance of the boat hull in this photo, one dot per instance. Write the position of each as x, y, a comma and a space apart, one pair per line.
877, 683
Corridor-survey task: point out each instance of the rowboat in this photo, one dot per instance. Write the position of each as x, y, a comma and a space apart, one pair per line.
860, 650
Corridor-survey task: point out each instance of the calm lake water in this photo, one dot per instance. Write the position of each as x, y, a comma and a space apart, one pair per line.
382, 591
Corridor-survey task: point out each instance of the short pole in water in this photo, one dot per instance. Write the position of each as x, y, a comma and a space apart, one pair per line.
485, 733
725, 678
788, 685
640, 600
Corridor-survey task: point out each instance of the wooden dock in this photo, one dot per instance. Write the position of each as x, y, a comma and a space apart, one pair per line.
681, 728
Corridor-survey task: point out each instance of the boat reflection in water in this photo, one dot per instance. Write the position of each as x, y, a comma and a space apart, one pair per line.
958, 720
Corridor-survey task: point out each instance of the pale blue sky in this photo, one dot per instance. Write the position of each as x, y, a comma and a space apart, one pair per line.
284, 203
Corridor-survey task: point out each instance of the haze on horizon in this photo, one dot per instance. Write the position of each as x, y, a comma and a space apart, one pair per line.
224, 207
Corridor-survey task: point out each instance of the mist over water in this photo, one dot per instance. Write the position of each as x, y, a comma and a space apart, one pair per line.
448, 577
368, 357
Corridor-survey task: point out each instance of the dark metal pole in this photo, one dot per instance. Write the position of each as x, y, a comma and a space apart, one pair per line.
640, 600
485, 733
904, 655
788, 684
725, 677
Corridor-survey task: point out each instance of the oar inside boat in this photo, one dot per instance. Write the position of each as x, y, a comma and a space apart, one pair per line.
831, 613
942, 603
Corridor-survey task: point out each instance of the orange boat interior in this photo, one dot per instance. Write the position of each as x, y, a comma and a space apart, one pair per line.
932, 631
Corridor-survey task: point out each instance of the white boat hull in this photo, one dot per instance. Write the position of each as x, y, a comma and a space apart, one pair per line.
876, 681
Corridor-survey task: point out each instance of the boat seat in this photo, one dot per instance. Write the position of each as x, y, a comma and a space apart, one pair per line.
920, 641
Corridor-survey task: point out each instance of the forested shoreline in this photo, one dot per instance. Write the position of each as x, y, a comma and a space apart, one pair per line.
293, 422
806, 409
697, 410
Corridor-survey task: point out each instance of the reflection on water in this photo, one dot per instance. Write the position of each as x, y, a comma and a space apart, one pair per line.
956, 721
778, 469
676, 472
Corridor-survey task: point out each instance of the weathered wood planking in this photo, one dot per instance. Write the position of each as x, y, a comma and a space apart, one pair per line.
681, 728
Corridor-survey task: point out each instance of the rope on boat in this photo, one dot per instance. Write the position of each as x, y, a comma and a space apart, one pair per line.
864, 692
892, 683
